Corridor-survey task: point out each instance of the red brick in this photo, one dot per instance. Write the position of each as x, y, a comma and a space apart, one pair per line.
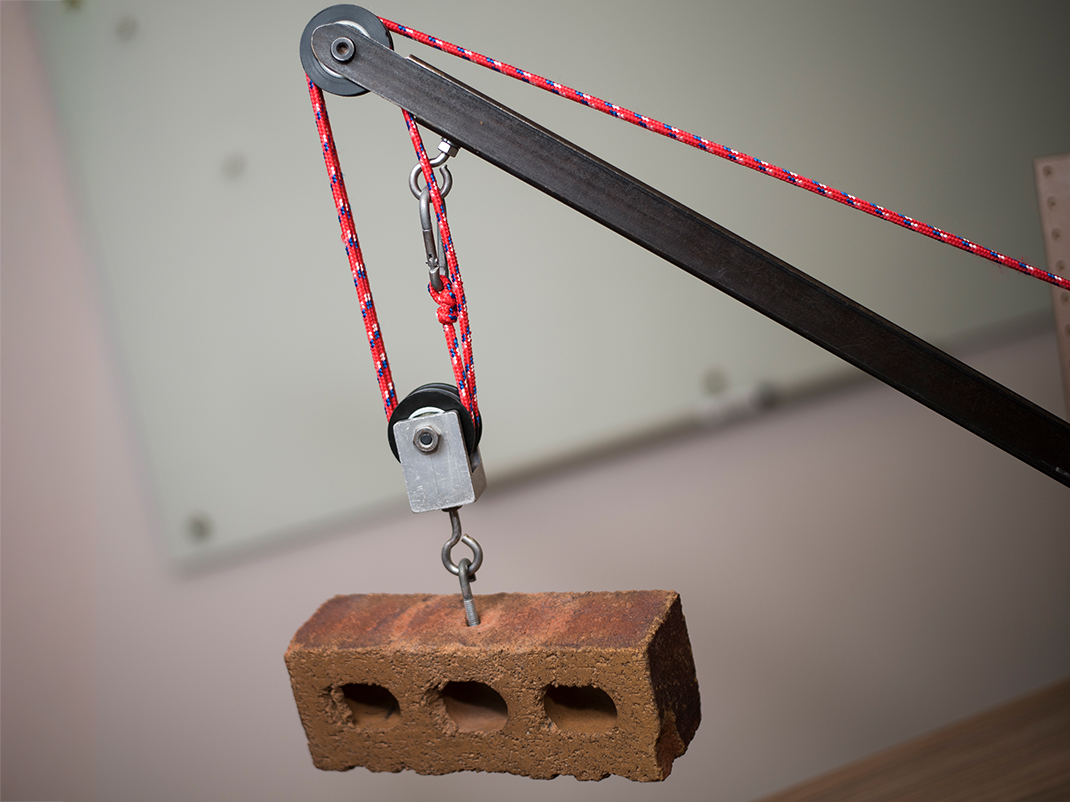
555, 659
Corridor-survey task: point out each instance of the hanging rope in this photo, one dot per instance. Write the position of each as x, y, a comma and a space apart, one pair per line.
356, 258
452, 306
728, 153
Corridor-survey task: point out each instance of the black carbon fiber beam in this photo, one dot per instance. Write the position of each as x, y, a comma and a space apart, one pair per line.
707, 251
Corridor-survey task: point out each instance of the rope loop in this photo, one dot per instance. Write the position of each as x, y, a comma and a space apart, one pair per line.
452, 307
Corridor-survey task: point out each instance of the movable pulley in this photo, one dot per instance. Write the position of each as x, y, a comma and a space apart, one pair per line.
437, 443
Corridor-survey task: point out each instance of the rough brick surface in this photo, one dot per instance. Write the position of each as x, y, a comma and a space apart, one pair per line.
587, 684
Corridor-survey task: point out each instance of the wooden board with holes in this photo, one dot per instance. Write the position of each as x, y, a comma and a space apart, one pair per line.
1053, 194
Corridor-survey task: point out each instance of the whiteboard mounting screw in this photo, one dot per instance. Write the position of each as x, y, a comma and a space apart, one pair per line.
199, 527
126, 29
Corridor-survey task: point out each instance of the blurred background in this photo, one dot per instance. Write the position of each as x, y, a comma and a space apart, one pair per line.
193, 452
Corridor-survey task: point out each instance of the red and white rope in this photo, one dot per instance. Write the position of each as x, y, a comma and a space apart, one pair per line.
356, 258
452, 306
728, 153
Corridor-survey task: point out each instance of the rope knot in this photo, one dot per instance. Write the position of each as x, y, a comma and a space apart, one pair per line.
447, 314
447, 305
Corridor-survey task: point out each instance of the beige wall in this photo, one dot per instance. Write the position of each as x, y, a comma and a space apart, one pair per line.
53, 374
854, 570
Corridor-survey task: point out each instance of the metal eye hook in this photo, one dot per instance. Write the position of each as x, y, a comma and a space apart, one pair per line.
460, 537
466, 569
444, 185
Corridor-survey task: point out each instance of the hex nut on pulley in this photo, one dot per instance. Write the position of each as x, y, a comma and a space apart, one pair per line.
426, 439
440, 397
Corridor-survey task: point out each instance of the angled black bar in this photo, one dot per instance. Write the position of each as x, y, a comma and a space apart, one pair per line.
709, 252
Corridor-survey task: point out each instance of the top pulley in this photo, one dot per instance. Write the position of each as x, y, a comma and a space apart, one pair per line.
363, 23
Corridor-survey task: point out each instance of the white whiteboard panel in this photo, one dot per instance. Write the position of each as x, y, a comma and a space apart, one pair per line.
193, 144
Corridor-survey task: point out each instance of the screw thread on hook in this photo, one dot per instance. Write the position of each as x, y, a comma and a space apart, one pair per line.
465, 569
470, 614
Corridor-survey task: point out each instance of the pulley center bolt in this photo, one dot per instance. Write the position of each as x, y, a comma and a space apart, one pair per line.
343, 49
425, 439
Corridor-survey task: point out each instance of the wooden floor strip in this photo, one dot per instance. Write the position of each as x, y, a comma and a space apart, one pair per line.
1017, 752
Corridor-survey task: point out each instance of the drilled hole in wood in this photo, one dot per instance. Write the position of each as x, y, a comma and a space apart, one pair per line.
371, 706
580, 708
474, 706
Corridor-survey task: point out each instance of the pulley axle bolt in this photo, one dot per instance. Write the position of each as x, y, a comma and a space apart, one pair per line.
343, 49
425, 439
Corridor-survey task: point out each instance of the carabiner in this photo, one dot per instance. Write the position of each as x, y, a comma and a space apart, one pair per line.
432, 241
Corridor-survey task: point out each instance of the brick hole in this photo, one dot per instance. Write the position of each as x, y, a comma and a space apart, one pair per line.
474, 706
580, 708
372, 707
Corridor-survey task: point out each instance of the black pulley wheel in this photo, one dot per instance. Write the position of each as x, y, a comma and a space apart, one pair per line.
363, 23
435, 396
